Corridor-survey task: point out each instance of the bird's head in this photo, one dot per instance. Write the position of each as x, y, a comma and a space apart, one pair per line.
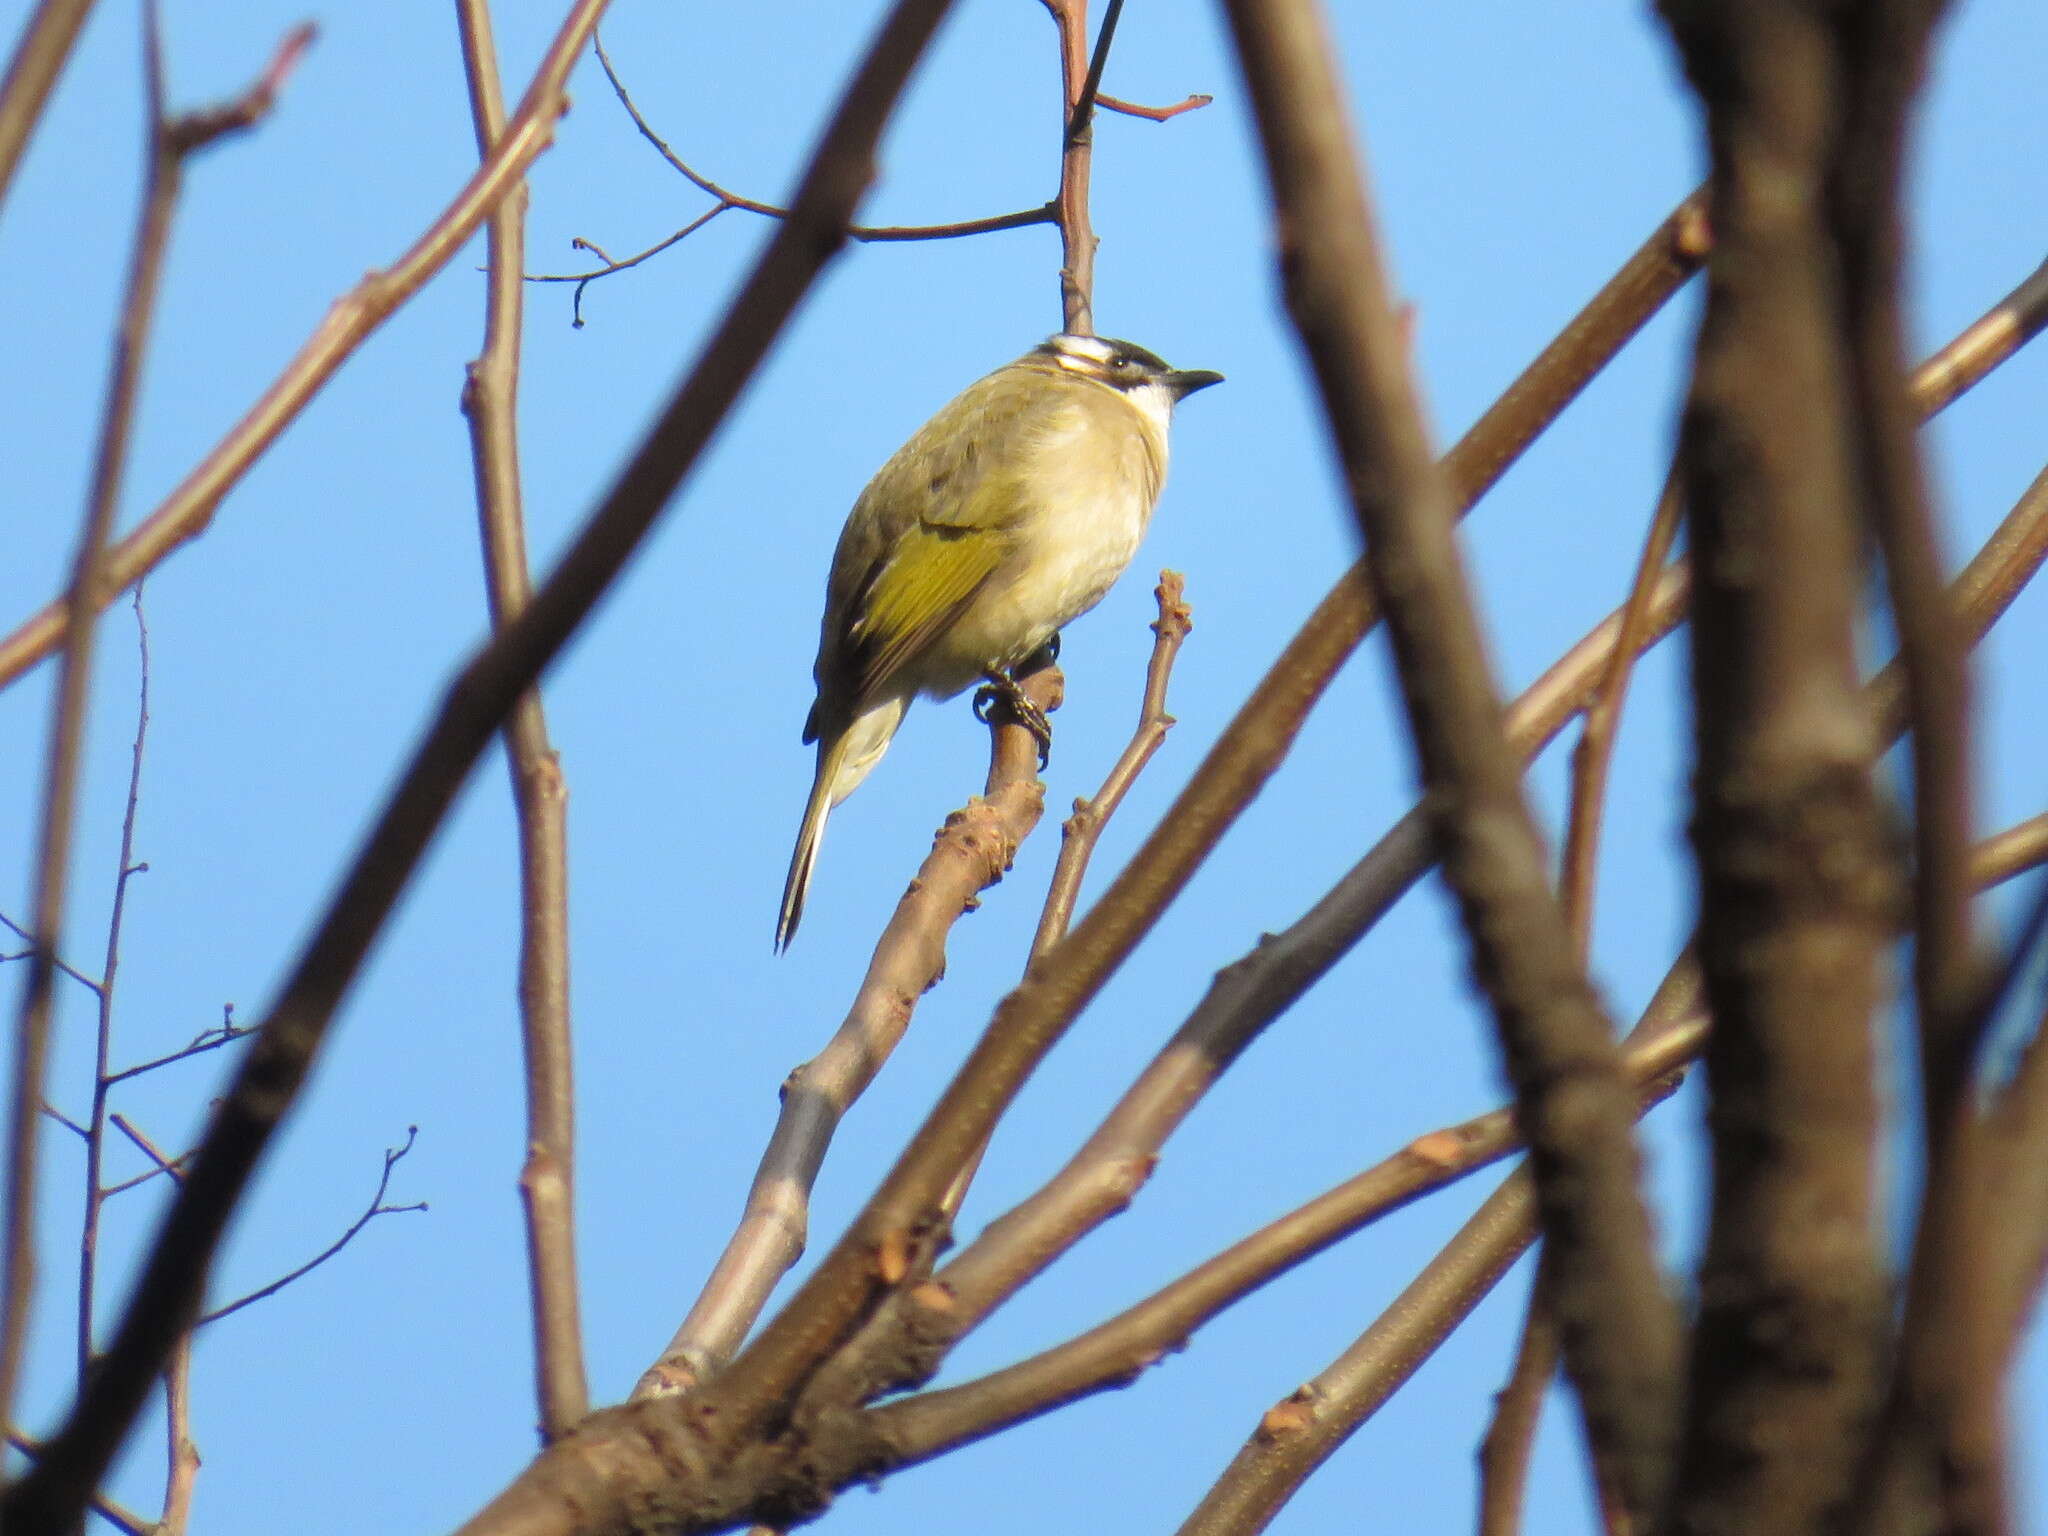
1125, 366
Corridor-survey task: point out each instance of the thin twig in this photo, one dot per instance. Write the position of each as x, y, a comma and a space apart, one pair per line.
1509, 1441
392, 1157
1189, 103
2015, 1162
58, 961
726, 200
1081, 103
1510, 1438
125, 869
1082, 830
173, 1274
490, 400
227, 1032
187, 511
1296, 1435
1579, 865
174, 1166
69, 1124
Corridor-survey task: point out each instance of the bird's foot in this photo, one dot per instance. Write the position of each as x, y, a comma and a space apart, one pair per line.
1000, 689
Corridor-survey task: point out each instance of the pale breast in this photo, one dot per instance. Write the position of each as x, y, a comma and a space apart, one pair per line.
1096, 474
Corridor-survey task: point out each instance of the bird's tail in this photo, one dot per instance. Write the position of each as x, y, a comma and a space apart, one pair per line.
808, 835
844, 759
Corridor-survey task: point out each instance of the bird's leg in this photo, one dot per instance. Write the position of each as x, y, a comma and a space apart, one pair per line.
1000, 688
1039, 659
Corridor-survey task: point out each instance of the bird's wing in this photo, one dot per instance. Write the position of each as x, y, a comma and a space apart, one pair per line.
934, 574
933, 526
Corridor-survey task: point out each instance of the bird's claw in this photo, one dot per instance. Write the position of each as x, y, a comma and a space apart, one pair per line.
1001, 689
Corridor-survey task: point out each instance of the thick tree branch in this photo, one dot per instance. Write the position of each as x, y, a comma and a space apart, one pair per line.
1798, 883
1619, 1327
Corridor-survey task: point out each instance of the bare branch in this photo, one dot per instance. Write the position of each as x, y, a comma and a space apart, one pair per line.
181, 1455
125, 868
1152, 114
39, 58
2015, 1161
174, 1166
69, 1124
72, 971
1579, 865
88, 593
1082, 830
1299, 1434
1510, 1437
1080, 77
1112, 1353
970, 853
1296, 1435
490, 400
392, 1157
1797, 878
187, 511
1941, 1458
1619, 1327
227, 1032
726, 200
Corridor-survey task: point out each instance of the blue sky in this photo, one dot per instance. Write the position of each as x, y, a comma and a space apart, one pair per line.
1518, 154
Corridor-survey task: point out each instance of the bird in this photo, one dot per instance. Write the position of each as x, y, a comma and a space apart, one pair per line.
1005, 517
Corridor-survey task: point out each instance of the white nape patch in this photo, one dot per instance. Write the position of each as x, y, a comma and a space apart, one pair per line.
1082, 354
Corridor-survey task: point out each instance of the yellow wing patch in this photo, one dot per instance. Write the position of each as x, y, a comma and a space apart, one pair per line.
933, 574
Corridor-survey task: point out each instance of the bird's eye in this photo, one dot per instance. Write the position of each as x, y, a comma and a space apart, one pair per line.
1123, 363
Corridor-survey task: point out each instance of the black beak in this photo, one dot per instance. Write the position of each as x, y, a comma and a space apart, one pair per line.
1185, 381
